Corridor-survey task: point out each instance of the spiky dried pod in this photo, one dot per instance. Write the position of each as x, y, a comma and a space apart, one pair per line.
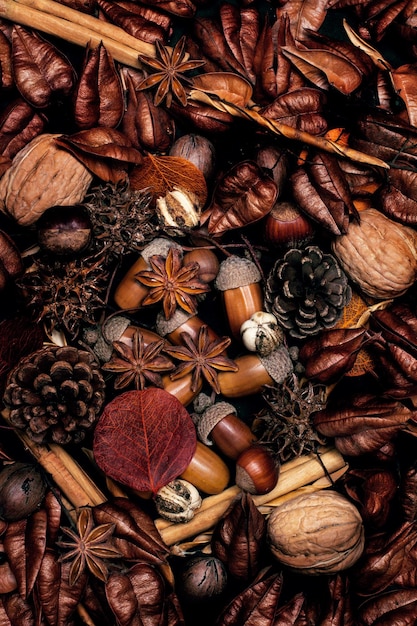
55, 394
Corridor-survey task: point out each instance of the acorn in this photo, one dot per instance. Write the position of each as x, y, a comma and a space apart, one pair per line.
64, 230
181, 322
239, 281
203, 578
207, 471
255, 371
181, 388
220, 424
285, 225
22, 490
256, 470
130, 293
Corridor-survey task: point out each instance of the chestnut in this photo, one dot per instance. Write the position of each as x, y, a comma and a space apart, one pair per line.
287, 226
203, 577
256, 470
64, 230
208, 263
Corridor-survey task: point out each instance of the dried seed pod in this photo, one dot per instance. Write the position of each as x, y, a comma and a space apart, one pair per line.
177, 501
261, 333
316, 533
22, 490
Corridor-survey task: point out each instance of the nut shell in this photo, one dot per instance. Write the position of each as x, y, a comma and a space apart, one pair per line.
316, 533
22, 490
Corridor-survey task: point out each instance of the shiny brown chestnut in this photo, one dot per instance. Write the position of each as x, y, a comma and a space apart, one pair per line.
207, 260
286, 226
64, 230
256, 470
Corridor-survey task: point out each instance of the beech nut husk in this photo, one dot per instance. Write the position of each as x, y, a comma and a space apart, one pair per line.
22, 490
256, 470
316, 533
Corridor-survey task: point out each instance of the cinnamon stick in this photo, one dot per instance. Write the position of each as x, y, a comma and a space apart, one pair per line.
292, 478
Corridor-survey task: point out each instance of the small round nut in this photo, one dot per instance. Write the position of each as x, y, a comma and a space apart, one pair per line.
261, 333
177, 501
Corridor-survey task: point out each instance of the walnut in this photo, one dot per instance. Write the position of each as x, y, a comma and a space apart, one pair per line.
378, 254
316, 533
41, 176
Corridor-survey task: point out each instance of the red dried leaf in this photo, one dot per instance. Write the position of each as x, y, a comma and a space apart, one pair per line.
398, 197
398, 606
243, 196
144, 439
19, 124
42, 73
54, 510
6, 70
17, 610
99, 97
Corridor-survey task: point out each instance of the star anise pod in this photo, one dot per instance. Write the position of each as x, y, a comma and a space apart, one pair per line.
89, 547
170, 67
172, 282
139, 363
201, 357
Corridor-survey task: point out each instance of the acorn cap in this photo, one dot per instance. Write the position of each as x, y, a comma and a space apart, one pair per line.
278, 364
164, 327
160, 246
111, 331
210, 418
236, 271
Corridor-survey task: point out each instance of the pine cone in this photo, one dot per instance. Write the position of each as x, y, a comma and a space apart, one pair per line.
307, 291
55, 394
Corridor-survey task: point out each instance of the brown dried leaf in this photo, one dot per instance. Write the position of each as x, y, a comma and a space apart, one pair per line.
208, 33
6, 66
182, 8
299, 108
162, 173
15, 550
17, 610
365, 425
398, 606
42, 73
132, 22
304, 16
106, 152
292, 612
256, 605
202, 117
338, 612
35, 541
397, 198
98, 100
243, 196
19, 124
373, 491
238, 538
135, 534
325, 68
146, 125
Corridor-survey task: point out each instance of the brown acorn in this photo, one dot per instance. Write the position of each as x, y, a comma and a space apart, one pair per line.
220, 424
207, 471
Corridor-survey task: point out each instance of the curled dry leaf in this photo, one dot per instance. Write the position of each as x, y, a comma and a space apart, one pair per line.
181, 8
338, 606
134, 534
132, 22
208, 33
397, 198
292, 612
225, 85
163, 173
408, 493
256, 605
202, 117
238, 538
304, 16
373, 491
35, 542
15, 550
328, 356
148, 425
42, 73
98, 99
19, 124
300, 108
6, 65
106, 152
397, 606
15, 610
147, 126
243, 196
365, 425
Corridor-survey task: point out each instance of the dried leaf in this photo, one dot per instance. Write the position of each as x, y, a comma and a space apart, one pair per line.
98, 100
162, 173
209, 35
19, 124
17, 610
291, 611
35, 541
373, 491
148, 425
256, 605
42, 73
15, 550
304, 15
135, 534
132, 22
106, 152
243, 196
398, 606
397, 198
6, 69
146, 125
238, 538
300, 108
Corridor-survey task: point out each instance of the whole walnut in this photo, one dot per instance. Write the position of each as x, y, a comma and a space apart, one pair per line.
316, 533
42, 175
378, 254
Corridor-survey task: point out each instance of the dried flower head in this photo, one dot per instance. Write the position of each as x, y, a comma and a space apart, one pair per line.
285, 426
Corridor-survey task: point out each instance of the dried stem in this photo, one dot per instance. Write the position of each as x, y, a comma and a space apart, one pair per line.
294, 475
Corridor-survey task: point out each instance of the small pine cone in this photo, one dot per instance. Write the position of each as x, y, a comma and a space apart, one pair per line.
55, 394
307, 291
